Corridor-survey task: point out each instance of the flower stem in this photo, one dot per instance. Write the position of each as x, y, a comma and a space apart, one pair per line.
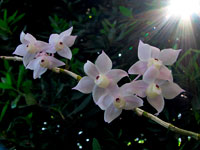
167, 125
138, 111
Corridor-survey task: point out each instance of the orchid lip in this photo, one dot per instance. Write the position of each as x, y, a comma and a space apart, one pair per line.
154, 61
102, 81
119, 103
153, 90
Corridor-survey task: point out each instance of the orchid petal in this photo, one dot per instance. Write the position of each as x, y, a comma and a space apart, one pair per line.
34, 63
116, 74
97, 92
41, 45
144, 51
51, 49
22, 40
170, 90
27, 58
111, 113
155, 52
138, 68
103, 63
85, 85
20, 50
133, 102
157, 102
54, 62
105, 101
69, 40
91, 70
53, 38
66, 52
138, 87
113, 90
67, 32
165, 74
28, 37
151, 74
169, 56
38, 71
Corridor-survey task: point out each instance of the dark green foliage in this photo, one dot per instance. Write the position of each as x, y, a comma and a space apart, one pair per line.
47, 114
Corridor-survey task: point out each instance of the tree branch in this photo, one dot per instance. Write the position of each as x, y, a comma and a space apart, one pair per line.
138, 111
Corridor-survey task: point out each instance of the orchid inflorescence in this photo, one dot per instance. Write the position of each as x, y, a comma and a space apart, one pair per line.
156, 84
39, 56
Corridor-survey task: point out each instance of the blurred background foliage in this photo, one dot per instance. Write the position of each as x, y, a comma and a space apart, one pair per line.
46, 114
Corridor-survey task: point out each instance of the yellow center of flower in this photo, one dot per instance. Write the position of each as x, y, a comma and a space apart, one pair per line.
119, 103
153, 90
154, 61
59, 46
44, 62
102, 81
31, 48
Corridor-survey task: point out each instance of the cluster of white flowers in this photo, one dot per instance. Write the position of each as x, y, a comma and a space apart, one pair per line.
157, 81
101, 80
39, 56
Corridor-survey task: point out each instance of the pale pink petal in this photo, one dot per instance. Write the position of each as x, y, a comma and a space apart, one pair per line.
66, 52
170, 90
69, 40
41, 46
144, 51
155, 52
126, 90
27, 58
91, 70
97, 92
54, 62
34, 63
53, 38
85, 85
111, 113
116, 74
157, 102
137, 87
67, 32
133, 102
20, 50
51, 49
113, 90
169, 56
103, 63
38, 71
138, 68
165, 74
105, 101
28, 37
22, 40
151, 74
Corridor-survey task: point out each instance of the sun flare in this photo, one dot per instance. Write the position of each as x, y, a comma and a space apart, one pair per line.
183, 8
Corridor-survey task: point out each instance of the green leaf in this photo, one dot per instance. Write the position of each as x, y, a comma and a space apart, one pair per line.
5, 15
11, 18
5, 86
125, 11
81, 106
95, 144
15, 102
18, 18
20, 76
75, 51
8, 79
4, 110
6, 65
30, 100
